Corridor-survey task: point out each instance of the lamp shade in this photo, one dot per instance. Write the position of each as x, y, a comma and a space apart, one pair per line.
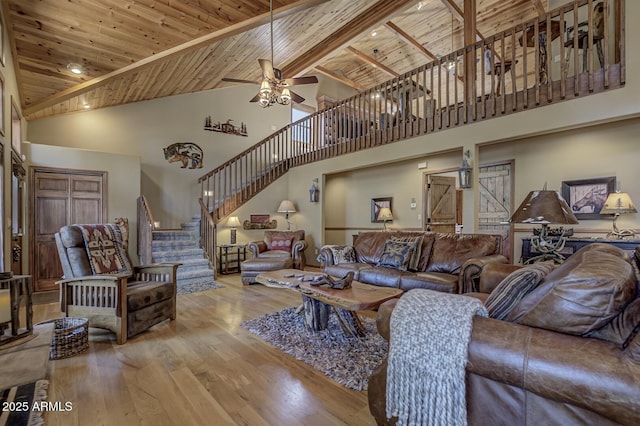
618, 202
233, 222
286, 206
385, 214
544, 207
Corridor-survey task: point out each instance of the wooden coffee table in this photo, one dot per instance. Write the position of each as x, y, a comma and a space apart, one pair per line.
319, 300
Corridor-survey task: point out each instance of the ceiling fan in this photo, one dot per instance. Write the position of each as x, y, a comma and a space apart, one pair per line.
274, 89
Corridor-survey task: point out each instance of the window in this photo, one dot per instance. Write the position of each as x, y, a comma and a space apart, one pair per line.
302, 132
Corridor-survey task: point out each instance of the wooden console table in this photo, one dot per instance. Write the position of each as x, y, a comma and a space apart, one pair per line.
574, 244
230, 256
20, 290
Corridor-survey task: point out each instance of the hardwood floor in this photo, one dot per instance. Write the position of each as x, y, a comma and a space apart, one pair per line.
201, 369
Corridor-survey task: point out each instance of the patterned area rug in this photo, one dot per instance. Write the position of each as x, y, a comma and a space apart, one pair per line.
21, 404
347, 360
197, 287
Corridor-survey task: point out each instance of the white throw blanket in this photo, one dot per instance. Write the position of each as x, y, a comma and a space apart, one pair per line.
430, 334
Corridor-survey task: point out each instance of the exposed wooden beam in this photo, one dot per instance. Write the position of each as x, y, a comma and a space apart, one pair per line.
338, 77
373, 62
379, 13
459, 15
455, 10
410, 40
174, 51
539, 7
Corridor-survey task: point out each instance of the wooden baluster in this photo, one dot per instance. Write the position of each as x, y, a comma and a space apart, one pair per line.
604, 43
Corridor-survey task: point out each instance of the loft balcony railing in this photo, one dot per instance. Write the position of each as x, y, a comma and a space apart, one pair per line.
573, 51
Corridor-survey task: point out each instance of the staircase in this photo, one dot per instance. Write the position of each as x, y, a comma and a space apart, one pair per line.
182, 246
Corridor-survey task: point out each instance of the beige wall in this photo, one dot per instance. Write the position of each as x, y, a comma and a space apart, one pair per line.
123, 177
10, 95
349, 194
591, 152
142, 129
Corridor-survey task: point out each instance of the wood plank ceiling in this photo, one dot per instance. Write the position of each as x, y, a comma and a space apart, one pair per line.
135, 50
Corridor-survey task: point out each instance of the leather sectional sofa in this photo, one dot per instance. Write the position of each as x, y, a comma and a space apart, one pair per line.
568, 353
447, 262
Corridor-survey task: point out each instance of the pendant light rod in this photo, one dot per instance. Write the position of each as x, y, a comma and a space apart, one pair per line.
271, 28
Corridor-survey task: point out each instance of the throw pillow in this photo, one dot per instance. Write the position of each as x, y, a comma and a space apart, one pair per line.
343, 254
281, 243
417, 252
105, 249
514, 287
396, 255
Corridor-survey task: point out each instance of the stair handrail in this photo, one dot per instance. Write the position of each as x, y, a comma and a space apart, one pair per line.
146, 226
208, 238
426, 100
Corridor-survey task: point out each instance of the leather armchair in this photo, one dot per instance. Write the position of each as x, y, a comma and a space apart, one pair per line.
125, 303
529, 375
265, 249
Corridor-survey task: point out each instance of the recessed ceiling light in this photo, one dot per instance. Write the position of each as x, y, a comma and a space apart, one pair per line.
420, 5
75, 68
86, 106
374, 33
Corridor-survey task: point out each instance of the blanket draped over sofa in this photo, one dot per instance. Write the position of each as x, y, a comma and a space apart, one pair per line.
427, 357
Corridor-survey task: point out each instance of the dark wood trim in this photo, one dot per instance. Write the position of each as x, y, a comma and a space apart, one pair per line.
32, 202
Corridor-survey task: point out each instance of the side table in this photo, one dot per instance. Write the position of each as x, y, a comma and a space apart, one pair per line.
230, 256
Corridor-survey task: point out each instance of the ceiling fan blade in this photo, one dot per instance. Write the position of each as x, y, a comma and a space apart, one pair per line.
236, 80
301, 80
296, 98
256, 98
267, 69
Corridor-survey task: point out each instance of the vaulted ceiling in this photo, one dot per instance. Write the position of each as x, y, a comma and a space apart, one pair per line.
135, 50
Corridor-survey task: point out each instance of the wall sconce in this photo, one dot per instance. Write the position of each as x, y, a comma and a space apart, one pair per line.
314, 192
464, 173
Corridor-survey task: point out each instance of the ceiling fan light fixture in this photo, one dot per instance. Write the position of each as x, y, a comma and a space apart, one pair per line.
285, 96
265, 87
264, 101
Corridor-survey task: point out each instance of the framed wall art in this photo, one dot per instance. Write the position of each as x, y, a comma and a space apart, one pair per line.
377, 204
259, 218
587, 196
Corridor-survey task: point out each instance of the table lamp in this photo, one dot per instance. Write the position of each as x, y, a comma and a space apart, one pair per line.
618, 203
286, 207
385, 215
544, 208
233, 222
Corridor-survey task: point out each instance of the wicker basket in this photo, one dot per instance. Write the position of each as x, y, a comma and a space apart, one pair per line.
70, 337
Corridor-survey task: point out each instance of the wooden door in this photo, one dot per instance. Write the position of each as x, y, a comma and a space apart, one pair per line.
441, 204
60, 197
496, 202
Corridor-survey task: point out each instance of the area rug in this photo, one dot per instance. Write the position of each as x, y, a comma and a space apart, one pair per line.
197, 287
21, 404
347, 360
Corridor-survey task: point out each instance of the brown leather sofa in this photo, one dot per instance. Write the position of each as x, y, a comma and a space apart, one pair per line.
448, 262
567, 354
